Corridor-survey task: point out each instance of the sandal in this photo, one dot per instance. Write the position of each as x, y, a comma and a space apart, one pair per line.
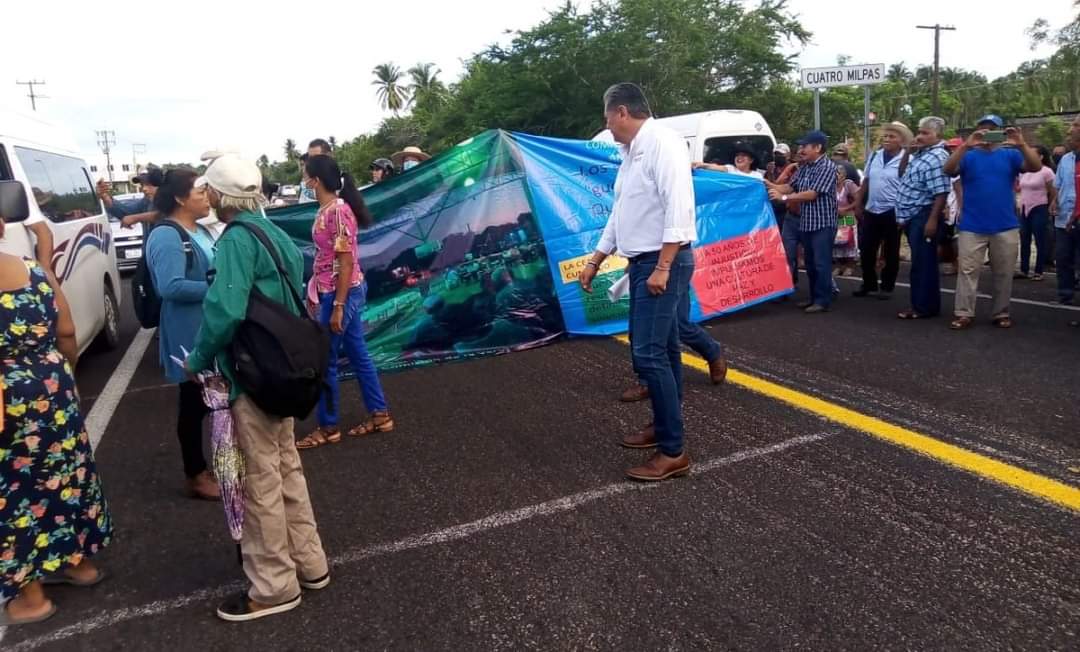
319, 437
377, 422
960, 323
7, 621
1003, 322
64, 578
909, 314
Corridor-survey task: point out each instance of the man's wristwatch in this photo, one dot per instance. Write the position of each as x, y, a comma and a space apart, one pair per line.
592, 264
783, 198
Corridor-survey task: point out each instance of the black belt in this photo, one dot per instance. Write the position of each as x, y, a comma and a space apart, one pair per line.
653, 254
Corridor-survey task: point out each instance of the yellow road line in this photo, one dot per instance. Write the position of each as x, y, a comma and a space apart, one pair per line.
1030, 483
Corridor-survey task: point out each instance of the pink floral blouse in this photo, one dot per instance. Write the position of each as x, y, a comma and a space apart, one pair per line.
334, 232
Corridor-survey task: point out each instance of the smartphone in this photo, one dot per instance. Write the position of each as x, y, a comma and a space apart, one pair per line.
996, 136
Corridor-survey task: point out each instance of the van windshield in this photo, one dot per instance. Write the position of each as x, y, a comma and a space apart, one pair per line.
719, 149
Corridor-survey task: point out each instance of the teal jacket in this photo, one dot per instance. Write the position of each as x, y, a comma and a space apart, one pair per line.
241, 263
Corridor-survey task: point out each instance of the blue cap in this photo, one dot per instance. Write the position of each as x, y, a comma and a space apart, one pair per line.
814, 138
993, 119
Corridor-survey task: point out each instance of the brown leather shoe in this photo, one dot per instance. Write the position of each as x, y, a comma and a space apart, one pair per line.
203, 487
660, 467
634, 394
718, 371
644, 438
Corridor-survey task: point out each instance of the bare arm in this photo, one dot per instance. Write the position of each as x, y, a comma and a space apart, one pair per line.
43, 251
138, 218
1032, 162
1051, 194
65, 325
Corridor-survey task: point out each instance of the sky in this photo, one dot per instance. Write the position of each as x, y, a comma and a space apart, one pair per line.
243, 76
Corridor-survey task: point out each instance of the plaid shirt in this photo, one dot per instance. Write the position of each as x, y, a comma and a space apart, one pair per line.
821, 177
924, 179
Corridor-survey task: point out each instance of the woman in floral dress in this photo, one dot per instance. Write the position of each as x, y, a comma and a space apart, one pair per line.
53, 516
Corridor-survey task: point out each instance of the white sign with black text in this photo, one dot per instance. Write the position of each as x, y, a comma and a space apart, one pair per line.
861, 75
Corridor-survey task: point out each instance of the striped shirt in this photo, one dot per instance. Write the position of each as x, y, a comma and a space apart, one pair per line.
923, 180
819, 176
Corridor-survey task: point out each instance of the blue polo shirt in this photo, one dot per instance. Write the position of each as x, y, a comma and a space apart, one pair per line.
989, 201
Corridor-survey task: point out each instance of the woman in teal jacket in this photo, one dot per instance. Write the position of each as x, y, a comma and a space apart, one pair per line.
179, 255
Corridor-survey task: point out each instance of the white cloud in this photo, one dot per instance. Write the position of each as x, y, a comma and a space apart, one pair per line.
186, 77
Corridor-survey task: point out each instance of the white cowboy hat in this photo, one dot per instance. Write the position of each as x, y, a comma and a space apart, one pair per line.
410, 151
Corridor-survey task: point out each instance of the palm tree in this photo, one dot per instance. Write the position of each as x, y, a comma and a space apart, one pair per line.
333, 142
392, 95
290, 149
425, 82
898, 72
264, 161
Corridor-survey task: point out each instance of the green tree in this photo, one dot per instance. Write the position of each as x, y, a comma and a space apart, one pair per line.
291, 154
1052, 132
389, 89
426, 90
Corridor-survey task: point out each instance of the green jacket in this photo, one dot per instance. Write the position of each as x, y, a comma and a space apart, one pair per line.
241, 262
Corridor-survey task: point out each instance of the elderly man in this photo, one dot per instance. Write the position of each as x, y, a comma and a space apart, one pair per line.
813, 190
876, 206
920, 204
652, 224
988, 219
281, 549
1067, 220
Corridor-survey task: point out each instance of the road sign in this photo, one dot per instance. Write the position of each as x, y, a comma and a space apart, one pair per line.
861, 75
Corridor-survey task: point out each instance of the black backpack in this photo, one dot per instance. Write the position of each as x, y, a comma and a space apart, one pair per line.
280, 358
144, 296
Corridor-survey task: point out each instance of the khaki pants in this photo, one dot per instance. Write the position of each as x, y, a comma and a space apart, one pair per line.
973, 247
280, 539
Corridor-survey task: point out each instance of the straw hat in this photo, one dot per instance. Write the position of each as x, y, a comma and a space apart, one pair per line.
411, 151
901, 129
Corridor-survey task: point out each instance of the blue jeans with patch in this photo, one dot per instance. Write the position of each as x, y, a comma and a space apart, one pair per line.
657, 356
351, 343
817, 250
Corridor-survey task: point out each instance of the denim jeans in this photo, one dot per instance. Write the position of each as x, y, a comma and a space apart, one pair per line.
1036, 222
693, 336
790, 237
925, 277
817, 249
1068, 259
654, 321
355, 349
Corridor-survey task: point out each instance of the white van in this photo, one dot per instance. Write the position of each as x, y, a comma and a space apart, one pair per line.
709, 135
43, 176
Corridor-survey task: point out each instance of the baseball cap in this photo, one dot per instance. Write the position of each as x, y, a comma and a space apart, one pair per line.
232, 176
783, 148
954, 142
153, 176
992, 119
840, 149
814, 138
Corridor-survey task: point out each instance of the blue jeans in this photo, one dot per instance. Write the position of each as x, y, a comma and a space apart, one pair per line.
817, 249
789, 234
925, 277
352, 340
1068, 259
654, 321
1035, 223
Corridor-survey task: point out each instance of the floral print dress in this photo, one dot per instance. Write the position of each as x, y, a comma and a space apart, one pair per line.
52, 511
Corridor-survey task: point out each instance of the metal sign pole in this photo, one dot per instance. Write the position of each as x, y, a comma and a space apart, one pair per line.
817, 108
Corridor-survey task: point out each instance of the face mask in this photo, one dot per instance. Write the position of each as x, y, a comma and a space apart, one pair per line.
780, 159
1057, 158
410, 164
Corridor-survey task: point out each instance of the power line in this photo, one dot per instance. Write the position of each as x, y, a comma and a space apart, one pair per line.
937, 55
34, 97
106, 140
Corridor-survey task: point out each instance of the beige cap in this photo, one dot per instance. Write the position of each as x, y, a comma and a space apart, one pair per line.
233, 176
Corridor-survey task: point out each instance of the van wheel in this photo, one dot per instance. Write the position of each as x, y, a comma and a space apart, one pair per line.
109, 337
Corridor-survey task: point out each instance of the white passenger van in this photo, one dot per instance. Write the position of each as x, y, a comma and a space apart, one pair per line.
709, 135
43, 177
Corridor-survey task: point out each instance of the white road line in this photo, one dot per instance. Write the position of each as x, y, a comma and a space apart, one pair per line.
453, 533
100, 415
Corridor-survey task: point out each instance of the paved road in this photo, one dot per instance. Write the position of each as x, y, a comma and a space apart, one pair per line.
496, 516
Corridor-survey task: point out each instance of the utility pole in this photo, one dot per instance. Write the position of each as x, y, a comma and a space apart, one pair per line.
136, 149
937, 57
106, 140
33, 96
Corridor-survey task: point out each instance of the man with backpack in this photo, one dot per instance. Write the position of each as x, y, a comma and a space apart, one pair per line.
259, 276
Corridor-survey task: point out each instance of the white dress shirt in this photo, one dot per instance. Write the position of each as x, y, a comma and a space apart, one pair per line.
654, 195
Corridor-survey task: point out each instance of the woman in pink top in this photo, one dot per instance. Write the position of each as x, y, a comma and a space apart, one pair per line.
338, 285
1037, 194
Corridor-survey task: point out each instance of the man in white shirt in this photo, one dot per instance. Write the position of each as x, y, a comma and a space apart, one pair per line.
875, 205
652, 225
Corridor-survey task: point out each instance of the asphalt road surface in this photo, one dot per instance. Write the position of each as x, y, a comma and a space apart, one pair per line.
861, 483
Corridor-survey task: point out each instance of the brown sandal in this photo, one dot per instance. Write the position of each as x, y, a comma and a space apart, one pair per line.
377, 422
319, 437
1003, 322
960, 323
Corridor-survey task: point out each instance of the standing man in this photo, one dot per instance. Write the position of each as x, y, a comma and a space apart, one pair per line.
317, 147
134, 211
652, 224
280, 548
988, 219
813, 190
1067, 220
876, 202
920, 204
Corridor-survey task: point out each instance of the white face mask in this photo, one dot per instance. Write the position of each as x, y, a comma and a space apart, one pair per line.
410, 164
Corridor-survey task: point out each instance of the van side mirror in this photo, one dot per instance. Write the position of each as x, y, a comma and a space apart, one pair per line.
13, 204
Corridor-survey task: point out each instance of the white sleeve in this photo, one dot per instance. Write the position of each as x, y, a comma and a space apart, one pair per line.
607, 244
675, 185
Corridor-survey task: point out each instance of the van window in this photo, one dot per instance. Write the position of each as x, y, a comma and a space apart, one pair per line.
719, 149
59, 184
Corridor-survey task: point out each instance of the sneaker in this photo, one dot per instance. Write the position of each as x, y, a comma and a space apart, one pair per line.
815, 308
1036, 277
803, 305
237, 609
863, 292
315, 584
